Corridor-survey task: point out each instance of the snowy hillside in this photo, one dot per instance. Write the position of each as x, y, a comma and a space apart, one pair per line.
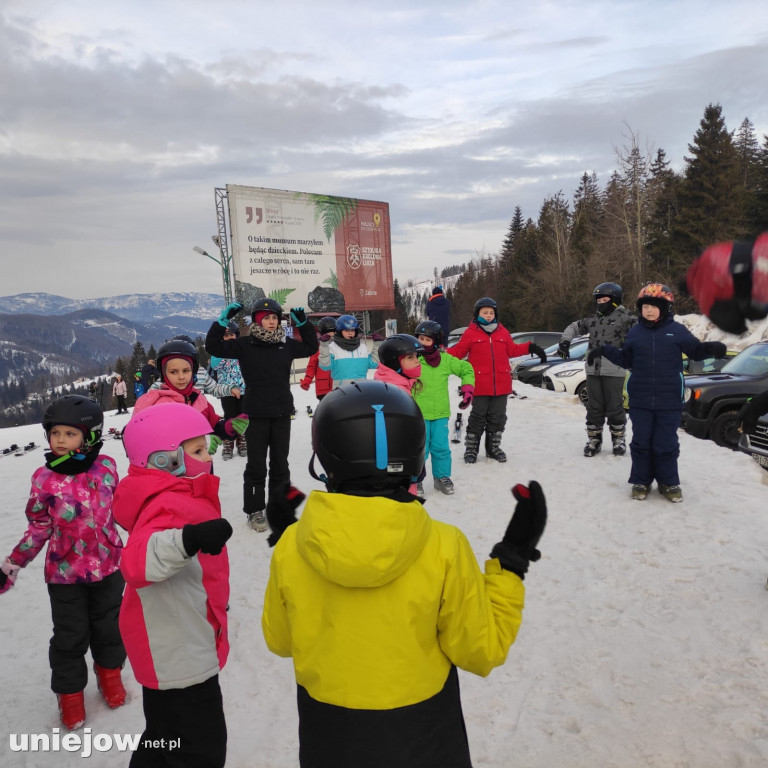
138, 307
644, 639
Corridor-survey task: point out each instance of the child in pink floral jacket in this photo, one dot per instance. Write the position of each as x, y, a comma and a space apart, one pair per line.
70, 507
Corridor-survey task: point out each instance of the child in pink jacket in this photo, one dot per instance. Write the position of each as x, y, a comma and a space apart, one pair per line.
174, 614
177, 360
399, 362
70, 508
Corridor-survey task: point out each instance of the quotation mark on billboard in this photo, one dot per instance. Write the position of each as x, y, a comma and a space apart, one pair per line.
353, 256
249, 215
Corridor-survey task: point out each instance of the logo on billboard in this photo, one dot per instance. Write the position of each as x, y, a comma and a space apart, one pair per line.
354, 259
377, 219
249, 215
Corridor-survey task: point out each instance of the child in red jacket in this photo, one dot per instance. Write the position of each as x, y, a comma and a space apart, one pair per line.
323, 381
174, 613
488, 346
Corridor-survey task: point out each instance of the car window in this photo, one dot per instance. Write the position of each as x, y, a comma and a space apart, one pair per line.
578, 349
752, 361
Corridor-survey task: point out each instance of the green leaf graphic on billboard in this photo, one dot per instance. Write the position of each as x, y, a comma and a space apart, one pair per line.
332, 211
281, 294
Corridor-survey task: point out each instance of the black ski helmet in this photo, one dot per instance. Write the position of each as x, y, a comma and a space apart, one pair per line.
326, 324
393, 348
432, 329
368, 434
178, 346
486, 301
266, 305
75, 411
347, 323
613, 291
659, 295
233, 327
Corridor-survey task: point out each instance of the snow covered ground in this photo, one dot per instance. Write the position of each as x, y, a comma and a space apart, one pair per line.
644, 641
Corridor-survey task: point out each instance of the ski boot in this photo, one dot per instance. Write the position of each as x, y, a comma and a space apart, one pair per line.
640, 491
226, 449
309, 411
293, 411
242, 446
71, 709
618, 437
471, 447
671, 492
444, 485
110, 685
493, 447
594, 441
258, 520
457, 425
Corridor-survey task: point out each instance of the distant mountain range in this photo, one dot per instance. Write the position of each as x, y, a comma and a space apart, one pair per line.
41, 333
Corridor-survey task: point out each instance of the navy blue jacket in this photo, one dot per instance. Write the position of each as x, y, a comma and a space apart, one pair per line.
655, 357
439, 310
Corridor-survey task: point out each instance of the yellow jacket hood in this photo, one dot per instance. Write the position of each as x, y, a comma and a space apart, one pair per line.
361, 542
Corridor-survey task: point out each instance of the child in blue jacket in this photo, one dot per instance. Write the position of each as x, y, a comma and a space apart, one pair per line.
653, 352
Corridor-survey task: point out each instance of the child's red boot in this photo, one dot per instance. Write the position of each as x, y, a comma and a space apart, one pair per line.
111, 685
71, 709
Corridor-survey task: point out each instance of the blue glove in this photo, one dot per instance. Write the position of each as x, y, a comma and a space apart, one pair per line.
228, 313
299, 316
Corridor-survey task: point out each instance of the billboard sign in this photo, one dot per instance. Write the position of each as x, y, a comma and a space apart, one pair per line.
323, 253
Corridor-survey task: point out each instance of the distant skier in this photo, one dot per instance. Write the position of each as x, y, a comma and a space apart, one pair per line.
439, 310
120, 392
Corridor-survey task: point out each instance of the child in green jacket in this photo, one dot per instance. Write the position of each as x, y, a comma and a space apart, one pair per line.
432, 399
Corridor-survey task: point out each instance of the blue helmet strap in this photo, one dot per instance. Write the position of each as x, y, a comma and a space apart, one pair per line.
380, 436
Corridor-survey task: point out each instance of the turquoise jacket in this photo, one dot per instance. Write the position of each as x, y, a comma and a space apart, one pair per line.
432, 397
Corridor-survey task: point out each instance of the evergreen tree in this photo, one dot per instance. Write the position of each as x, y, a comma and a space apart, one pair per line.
757, 208
712, 191
664, 185
138, 358
507, 256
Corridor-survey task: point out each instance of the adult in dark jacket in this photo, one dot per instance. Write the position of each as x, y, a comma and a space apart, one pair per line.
653, 352
605, 381
149, 375
439, 310
265, 355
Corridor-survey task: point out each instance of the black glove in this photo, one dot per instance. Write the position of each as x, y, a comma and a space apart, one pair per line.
281, 511
518, 547
751, 411
714, 348
208, 537
594, 354
563, 349
535, 349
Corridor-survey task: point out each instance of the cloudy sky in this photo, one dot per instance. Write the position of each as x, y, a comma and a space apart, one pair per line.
118, 120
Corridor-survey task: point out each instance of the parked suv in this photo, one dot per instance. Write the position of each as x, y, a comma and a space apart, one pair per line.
712, 401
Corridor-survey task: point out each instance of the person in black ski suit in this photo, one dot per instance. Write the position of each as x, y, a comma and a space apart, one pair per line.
149, 375
439, 310
265, 356
605, 381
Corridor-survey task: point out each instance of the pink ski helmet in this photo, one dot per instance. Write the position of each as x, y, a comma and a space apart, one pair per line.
153, 437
